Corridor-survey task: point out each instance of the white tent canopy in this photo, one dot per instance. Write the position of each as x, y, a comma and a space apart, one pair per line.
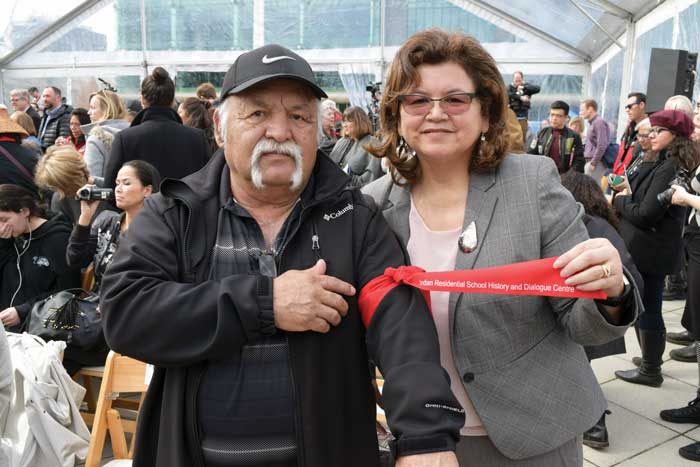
573, 48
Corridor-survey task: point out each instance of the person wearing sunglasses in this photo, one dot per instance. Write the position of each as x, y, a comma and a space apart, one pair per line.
458, 200
559, 142
652, 231
636, 109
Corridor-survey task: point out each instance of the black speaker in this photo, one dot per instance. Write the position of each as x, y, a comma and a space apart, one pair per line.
671, 72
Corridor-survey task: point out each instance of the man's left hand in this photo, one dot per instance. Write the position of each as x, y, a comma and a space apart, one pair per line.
433, 459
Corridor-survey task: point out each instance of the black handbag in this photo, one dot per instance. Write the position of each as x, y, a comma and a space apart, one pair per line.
65, 316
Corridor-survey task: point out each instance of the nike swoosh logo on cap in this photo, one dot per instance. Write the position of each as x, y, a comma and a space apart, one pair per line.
267, 60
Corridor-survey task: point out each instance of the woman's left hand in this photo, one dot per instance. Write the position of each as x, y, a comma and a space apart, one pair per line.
9, 317
680, 196
593, 265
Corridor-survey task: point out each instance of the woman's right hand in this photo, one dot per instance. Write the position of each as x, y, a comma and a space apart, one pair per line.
622, 185
680, 196
5, 230
87, 209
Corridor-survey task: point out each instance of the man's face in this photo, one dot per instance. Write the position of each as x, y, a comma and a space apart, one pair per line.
584, 111
18, 102
265, 127
50, 98
517, 79
635, 110
557, 118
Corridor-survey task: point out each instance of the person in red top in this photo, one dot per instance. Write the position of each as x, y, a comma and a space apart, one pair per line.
636, 109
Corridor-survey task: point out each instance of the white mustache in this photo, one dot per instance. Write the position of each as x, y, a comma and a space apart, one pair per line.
288, 148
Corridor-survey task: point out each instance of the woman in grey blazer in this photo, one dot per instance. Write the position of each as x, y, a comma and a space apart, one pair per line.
457, 201
350, 153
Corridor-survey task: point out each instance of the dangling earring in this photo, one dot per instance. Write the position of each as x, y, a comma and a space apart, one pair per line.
482, 140
404, 151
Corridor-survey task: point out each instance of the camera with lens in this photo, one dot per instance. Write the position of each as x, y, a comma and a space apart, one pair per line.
373, 87
682, 178
93, 193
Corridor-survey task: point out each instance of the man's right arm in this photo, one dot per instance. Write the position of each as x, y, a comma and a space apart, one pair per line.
151, 315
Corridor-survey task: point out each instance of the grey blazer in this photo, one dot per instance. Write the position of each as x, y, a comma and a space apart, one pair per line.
520, 357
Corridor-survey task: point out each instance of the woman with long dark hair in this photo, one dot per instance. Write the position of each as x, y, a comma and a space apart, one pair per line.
196, 113
652, 228
32, 255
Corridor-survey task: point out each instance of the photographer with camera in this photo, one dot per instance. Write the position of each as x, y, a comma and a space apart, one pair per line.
95, 238
519, 95
651, 228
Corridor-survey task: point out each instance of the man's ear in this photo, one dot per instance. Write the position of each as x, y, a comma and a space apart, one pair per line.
217, 129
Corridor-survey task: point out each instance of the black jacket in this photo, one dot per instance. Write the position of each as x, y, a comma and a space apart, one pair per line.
57, 125
43, 266
36, 118
159, 307
158, 136
519, 107
652, 231
569, 144
9, 173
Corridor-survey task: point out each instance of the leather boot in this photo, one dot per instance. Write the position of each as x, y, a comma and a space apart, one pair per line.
653, 344
597, 436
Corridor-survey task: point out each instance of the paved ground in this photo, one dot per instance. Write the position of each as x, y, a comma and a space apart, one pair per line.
638, 436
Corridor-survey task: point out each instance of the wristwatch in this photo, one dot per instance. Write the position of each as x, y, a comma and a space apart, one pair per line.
622, 298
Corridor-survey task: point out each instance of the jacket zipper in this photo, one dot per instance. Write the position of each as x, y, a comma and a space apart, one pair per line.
301, 461
198, 453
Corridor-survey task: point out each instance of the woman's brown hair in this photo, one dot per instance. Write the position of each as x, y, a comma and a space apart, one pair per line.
157, 88
433, 47
358, 117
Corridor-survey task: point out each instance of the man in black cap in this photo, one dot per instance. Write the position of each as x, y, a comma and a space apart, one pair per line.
240, 284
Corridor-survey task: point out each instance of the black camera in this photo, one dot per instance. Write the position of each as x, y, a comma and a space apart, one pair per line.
682, 178
373, 87
93, 193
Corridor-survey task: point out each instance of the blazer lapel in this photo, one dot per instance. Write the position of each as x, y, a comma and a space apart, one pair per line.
481, 204
396, 211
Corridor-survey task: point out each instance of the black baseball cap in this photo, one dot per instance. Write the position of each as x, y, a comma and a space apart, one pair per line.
268, 62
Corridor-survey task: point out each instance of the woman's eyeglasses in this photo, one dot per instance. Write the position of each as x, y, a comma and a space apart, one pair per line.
451, 104
657, 131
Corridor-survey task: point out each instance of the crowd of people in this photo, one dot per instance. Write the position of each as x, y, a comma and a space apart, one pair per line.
241, 242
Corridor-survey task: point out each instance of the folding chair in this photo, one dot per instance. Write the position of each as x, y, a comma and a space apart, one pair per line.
121, 375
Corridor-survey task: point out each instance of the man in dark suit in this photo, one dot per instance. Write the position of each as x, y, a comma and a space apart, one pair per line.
158, 136
20, 100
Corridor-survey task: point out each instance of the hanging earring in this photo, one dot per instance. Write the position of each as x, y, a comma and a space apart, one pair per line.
482, 140
404, 151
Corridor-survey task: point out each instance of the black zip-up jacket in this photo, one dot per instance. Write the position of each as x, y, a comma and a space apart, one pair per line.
570, 148
159, 307
42, 266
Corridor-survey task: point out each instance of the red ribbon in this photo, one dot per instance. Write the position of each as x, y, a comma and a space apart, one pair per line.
538, 277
